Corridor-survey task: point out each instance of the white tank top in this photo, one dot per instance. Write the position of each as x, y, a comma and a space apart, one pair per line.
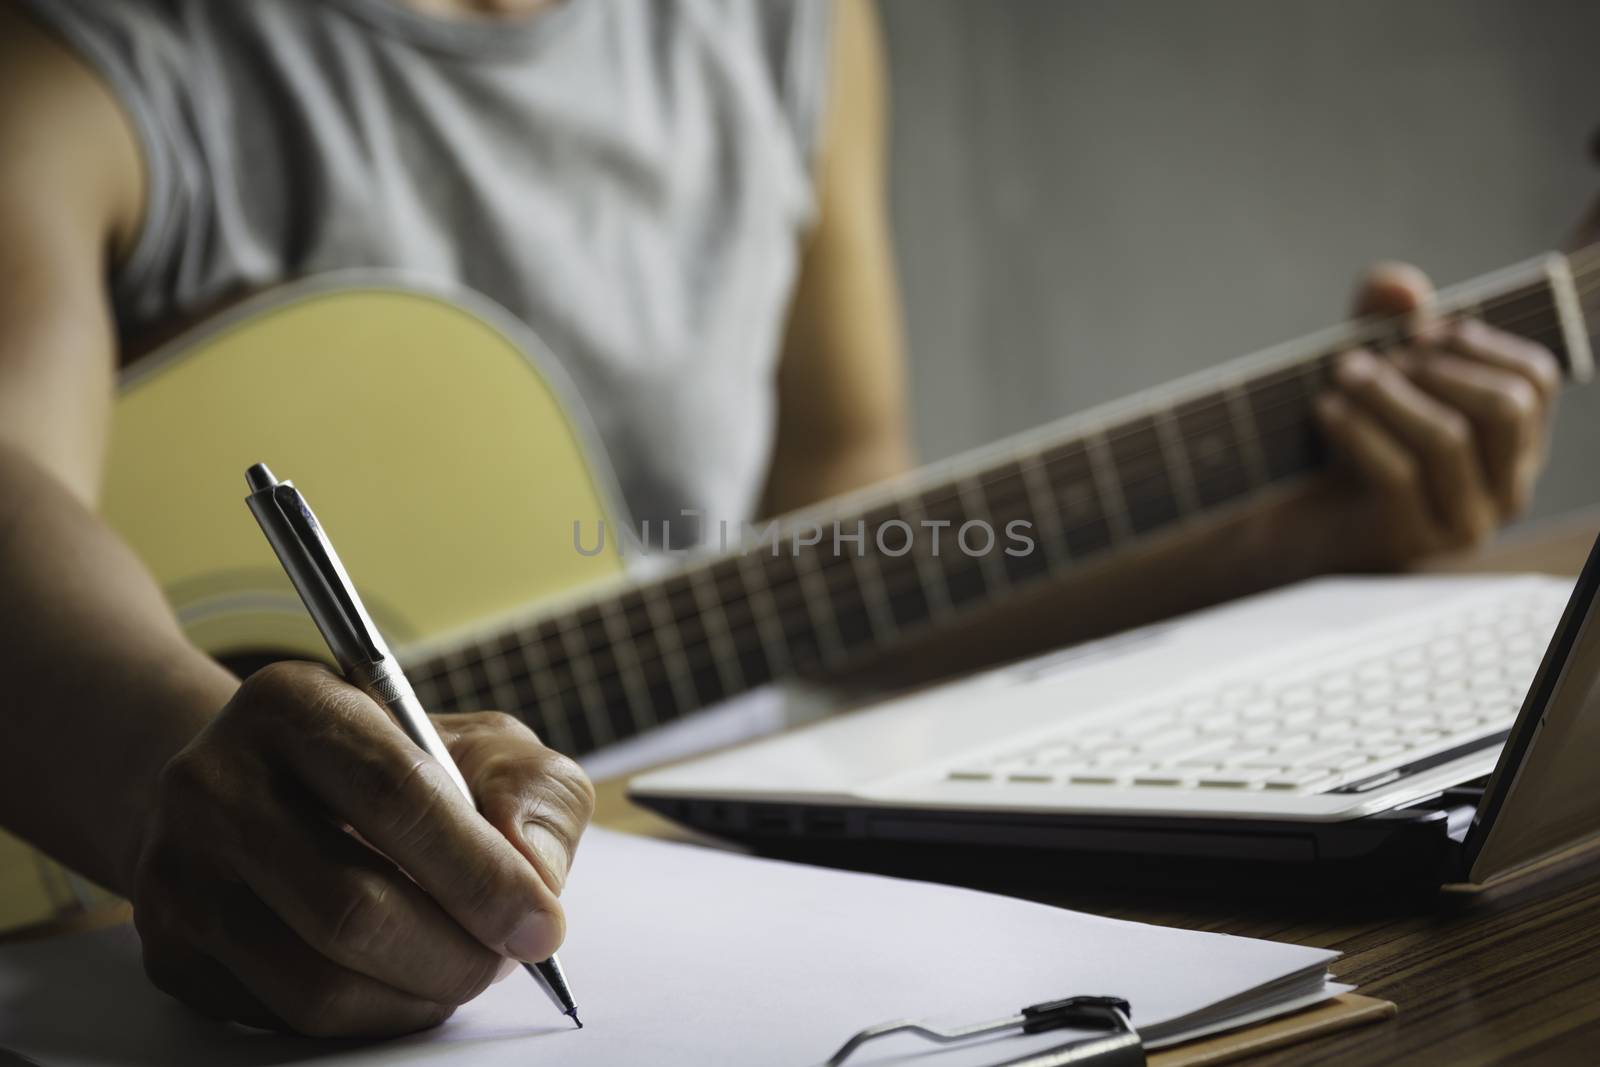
630, 178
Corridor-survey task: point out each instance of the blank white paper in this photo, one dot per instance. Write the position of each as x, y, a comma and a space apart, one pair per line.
686, 955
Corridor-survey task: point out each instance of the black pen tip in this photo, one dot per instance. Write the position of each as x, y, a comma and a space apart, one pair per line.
574, 1014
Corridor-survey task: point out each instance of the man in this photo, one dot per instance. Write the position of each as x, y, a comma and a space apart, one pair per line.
661, 192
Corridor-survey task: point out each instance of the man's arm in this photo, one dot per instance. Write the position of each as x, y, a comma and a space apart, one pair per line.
132, 756
67, 204
1431, 453
841, 379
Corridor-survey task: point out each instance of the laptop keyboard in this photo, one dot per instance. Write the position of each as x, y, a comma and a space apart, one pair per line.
1445, 680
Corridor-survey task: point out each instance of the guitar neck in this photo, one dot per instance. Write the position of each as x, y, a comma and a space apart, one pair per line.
832, 585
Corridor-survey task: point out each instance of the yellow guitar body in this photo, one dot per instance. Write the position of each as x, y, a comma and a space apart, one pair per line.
437, 440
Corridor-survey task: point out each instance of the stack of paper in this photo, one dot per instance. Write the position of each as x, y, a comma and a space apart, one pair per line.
682, 955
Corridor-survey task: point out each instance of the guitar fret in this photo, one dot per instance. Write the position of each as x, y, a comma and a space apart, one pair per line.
1247, 434
876, 595
738, 612
508, 650
793, 614
1142, 475
1098, 450
1573, 350
1281, 405
1085, 523
765, 611
1179, 462
899, 573
499, 681
1046, 509
663, 698
811, 587
977, 509
693, 635
943, 514
722, 645
458, 680
672, 657
847, 603
936, 594
627, 657
551, 726
1215, 451
593, 708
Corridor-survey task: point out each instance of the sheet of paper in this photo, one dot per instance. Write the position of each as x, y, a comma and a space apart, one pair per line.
683, 955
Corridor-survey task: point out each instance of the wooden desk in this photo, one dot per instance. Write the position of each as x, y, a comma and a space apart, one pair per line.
1510, 974
1507, 975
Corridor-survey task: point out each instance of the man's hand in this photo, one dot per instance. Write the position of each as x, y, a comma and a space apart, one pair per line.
1445, 436
308, 868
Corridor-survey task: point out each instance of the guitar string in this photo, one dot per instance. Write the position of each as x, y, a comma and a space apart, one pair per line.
1193, 442
744, 633
745, 638
1201, 485
977, 482
699, 654
685, 651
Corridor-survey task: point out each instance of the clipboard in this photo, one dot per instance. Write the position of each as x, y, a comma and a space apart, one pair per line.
1343, 1012
1116, 1042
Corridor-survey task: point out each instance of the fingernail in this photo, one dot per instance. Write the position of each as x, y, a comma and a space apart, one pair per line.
551, 850
537, 937
1353, 369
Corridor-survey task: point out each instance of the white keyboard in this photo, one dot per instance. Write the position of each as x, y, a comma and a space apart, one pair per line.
1353, 715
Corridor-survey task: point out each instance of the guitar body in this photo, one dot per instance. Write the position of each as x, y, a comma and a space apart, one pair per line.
439, 443
442, 447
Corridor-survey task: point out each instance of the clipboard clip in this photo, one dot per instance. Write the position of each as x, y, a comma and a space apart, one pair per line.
1121, 1047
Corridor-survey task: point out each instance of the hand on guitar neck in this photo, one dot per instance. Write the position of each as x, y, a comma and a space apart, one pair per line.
1437, 445
1432, 444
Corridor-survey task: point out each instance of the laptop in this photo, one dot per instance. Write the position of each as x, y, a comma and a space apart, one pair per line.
1432, 729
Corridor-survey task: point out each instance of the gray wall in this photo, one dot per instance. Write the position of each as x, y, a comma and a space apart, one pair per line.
1092, 196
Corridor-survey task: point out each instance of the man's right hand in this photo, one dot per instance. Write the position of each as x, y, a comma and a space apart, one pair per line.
307, 867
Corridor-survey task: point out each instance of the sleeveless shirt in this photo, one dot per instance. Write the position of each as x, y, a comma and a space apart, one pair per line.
630, 178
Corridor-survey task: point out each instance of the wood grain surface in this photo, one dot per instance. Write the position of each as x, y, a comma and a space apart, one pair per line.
1505, 974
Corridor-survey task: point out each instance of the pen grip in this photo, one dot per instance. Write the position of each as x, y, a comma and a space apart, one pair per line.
386, 684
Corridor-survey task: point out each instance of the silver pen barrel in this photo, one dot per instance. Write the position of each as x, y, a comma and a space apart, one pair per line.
319, 577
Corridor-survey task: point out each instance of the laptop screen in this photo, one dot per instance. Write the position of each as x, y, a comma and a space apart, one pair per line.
1544, 795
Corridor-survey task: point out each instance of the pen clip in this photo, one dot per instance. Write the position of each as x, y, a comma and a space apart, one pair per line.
315, 570
302, 521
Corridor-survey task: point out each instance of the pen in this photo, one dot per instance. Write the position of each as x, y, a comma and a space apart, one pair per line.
312, 565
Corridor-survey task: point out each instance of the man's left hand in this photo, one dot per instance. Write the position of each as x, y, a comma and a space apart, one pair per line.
1445, 435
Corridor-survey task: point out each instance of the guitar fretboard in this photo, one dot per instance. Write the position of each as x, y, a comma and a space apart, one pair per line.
620, 664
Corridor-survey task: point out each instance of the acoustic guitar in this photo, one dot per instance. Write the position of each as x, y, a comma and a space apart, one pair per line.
485, 567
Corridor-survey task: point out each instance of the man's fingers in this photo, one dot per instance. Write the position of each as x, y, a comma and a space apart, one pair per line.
1509, 352
540, 800
1392, 289
308, 992
1438, 435
1505, 410
354, 907
1382, 462
365, 771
